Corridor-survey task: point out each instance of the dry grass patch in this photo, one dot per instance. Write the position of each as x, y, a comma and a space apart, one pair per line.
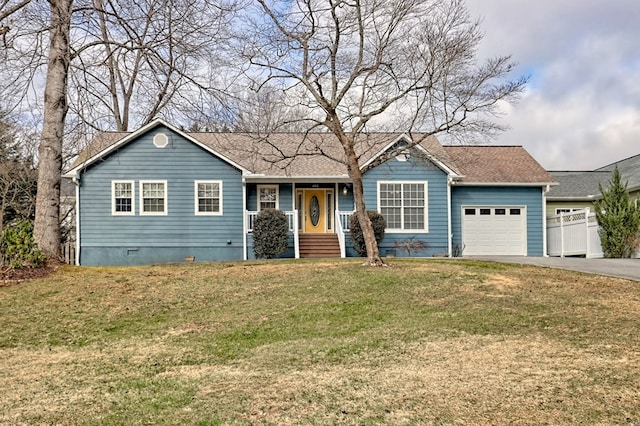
317, 342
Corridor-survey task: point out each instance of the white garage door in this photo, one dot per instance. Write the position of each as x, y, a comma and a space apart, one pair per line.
495, 230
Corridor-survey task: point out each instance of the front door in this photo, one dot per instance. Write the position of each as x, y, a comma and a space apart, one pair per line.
315, 211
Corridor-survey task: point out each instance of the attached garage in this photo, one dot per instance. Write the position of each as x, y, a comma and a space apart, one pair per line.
494, 230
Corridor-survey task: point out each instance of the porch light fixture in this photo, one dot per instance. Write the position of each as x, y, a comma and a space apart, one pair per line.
345, 189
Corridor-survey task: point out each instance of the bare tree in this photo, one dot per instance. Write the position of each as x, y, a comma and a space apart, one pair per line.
46, 231
134, 60
7, 9
270, 110
17, 176
368, 65
109, 64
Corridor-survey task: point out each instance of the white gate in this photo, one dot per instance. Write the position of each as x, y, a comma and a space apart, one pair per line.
572, 234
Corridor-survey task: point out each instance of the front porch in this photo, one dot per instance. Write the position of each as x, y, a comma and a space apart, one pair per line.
330, 243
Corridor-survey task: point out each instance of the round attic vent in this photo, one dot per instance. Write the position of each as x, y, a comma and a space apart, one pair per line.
160, 140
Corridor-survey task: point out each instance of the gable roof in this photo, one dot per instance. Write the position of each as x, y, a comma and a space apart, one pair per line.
584, 185
320, 155
629, 169
107, 142
276, 155
578, 185
502, 165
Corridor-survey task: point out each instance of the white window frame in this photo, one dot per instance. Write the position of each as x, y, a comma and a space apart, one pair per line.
113, 198
196, 198
166, 204
276, 187
567, 209
425, 229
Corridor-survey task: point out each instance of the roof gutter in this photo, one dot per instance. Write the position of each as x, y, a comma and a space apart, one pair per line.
506, 184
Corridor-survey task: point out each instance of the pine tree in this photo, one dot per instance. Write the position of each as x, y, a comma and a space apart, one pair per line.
619, 219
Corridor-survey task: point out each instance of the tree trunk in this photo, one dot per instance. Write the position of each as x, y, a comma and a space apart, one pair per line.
373, 253
47, 224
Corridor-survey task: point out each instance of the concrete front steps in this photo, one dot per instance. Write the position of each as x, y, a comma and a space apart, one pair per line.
319, 245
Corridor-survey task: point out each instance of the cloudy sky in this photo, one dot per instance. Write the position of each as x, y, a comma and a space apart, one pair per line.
581, 109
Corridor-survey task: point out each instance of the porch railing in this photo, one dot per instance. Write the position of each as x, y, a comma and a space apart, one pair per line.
292, 219
343, 219
342, 226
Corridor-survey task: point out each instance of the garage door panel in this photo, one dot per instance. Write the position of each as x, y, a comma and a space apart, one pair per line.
495, 230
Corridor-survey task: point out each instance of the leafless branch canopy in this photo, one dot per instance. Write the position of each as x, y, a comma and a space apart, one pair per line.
370, 65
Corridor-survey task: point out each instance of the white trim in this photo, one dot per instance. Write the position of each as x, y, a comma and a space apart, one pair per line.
196, 199
272, 186
544, 220
449, 220
76, 182
244, 220
507, 184
406, 137
425, 229
141, 195
113, 198
142, 130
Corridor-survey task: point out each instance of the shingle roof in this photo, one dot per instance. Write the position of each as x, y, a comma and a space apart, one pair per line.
578, 184
283, 154
298, 154
320, 155
498, 164
629, 169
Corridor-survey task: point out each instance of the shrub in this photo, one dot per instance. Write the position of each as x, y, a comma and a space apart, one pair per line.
18, 248
411, 246
619, 219
357, 237
270, 233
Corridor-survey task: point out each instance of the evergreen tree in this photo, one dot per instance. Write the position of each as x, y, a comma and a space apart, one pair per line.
619, 219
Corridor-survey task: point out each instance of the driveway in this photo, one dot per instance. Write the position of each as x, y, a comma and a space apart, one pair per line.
620, 268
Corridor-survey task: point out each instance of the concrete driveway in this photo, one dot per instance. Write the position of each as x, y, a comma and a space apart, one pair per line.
620, 268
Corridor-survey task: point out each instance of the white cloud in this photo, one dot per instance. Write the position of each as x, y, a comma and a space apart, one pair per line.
582, 107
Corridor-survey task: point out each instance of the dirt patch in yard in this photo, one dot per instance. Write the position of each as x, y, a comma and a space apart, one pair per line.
13, 276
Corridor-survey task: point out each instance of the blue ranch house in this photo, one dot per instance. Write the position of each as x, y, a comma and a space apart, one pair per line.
160, 194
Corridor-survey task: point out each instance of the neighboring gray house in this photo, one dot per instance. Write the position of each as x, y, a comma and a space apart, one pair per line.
161, 195
577, 190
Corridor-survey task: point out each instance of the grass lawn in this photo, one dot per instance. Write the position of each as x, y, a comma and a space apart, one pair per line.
320, 342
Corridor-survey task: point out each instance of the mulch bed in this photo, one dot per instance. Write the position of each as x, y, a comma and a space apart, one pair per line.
10, 277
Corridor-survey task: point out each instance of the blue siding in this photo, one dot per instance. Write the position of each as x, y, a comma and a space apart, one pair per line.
415, 169
123, 240
530, 197
345, 202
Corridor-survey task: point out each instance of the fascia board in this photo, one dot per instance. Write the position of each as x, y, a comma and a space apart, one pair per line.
144, 129
430, 156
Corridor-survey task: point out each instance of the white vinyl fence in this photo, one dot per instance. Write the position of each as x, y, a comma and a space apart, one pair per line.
573, 234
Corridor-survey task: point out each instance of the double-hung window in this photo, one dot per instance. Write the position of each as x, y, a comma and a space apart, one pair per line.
404, 205
153, 197
122, 198
208, 197
267, 197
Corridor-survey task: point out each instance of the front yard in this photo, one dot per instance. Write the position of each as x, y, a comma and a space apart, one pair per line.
320, 342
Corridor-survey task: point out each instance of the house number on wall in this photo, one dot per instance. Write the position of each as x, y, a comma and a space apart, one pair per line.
314, 210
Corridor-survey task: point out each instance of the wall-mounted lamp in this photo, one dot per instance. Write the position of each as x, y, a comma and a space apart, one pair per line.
345, 189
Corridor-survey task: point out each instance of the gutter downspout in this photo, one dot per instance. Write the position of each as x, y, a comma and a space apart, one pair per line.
449, 207
76, 183
244, 218
544, 220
